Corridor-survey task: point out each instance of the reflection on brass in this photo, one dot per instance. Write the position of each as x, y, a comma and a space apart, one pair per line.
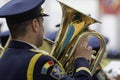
72, 31
47, 45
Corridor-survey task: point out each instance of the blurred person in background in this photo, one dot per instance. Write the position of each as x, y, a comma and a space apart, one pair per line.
113, 54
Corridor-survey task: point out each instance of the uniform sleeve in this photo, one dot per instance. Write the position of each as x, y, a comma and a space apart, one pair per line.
47, 68
82, 71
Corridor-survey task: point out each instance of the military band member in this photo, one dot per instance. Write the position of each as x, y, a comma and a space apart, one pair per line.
22, 60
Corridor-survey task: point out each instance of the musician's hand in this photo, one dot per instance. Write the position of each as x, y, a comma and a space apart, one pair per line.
83, 50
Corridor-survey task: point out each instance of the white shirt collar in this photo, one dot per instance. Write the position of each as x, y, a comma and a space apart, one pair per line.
28, 44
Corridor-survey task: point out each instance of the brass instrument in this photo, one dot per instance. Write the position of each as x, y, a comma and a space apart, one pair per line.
72, 30
5, 47
1, 48
47, 45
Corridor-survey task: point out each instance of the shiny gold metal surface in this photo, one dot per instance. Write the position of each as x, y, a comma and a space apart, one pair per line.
72, 31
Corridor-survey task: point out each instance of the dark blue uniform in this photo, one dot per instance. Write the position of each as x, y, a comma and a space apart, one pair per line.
16, 60
20, 61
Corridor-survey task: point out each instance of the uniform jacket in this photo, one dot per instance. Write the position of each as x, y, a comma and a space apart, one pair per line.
16, 60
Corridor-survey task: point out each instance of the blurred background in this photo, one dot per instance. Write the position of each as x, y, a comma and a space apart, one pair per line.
105, 11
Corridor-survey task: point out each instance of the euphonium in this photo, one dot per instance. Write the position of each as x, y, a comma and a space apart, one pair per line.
72, 30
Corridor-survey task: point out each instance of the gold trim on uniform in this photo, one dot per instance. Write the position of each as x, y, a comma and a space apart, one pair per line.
83, 68
34, 60
39, 51
31, 66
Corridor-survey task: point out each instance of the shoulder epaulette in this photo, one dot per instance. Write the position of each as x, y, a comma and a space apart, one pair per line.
31, 66
39, 51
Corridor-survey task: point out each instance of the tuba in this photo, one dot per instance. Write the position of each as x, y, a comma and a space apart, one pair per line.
72, 31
